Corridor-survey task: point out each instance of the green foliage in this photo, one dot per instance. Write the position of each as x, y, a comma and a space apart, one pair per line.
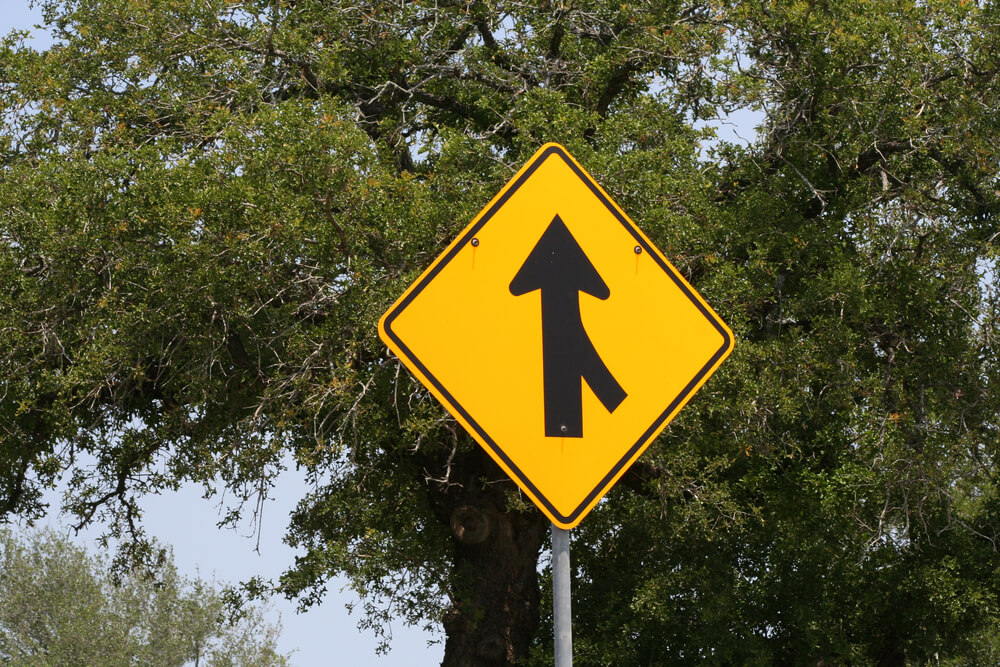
206, 205
59, 607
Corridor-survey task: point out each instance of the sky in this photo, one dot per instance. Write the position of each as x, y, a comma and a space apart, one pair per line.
323, 636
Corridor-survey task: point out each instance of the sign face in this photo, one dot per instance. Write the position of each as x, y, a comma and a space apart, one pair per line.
557, 334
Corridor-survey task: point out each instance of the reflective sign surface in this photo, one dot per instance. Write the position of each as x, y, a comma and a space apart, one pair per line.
557, 335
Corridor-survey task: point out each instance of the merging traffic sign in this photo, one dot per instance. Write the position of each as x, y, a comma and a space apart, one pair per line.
557, 334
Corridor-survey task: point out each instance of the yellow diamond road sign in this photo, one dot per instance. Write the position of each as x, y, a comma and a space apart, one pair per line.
557, 334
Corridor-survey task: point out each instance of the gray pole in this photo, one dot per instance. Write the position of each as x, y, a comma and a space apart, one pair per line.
561, 612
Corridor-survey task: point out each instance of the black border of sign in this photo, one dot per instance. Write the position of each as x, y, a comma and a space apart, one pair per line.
604, 485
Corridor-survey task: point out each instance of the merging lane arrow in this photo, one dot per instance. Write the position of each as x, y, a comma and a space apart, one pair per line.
559, 268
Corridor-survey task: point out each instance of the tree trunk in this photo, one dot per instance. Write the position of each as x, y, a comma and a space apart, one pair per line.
495, 592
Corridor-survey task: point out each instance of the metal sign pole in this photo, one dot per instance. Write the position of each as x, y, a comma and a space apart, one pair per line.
561, 611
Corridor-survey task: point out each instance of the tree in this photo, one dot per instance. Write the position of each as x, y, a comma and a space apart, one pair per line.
207, 205
59, 606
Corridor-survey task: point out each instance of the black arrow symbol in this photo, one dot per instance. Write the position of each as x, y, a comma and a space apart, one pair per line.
559, 268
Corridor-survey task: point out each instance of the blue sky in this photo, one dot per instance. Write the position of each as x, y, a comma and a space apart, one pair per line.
325, 635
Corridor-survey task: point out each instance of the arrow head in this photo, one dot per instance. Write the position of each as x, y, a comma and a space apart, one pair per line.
558, 264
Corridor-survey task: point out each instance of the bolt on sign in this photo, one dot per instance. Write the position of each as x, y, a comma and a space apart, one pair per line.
557, 334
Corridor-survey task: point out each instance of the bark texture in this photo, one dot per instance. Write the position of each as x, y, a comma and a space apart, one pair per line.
495, 597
